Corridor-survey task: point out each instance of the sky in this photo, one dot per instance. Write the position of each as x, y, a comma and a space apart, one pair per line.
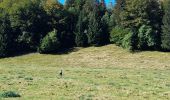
107, 1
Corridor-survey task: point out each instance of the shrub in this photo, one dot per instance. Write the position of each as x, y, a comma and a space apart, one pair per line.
117, 34
146, 37
50, 43
9, 94
126, 43
129, 41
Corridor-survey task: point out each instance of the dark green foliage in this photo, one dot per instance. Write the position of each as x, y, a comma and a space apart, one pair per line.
129, 41
146, 37
140, 13
29, 16
25, 41
98, 23
81, 36
117, 35
94, 30
118, 9
166, 27
64, 21
10, 94
104, 25
50, 43
126, 38
112, 22
5, 35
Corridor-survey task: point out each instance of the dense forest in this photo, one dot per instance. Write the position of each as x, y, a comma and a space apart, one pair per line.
47, 26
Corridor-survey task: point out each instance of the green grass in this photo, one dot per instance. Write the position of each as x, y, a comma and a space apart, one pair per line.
102, 73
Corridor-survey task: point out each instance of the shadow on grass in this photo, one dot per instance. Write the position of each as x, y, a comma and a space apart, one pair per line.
59, 52
16, 54
66, 51
151, 50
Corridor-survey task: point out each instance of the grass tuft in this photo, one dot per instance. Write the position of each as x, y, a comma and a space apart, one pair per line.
10, 94
29, 78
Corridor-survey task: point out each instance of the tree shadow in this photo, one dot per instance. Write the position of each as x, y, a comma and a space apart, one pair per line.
66, 51
16, 54
150, 50
59, 52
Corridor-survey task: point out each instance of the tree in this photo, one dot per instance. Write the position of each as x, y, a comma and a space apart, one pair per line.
146, 37
63, 21
69, 3
90, 5
5, 35
50, 43
29, 16
112, 21
81, 37
118, 9
104, 25
94, 31
146, 12
166, 26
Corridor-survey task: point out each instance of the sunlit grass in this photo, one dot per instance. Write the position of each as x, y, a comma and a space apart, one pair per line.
104, 73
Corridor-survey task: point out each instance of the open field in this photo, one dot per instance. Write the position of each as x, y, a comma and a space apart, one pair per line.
94, 73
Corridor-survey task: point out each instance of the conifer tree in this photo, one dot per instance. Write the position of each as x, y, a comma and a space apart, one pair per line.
94, 31
140, 13
104, 25
81, 37
118, 9
166, 26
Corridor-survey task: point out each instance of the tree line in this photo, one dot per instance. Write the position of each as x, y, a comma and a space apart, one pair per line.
48, 26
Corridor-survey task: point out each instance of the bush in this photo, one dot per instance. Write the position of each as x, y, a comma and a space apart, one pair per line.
117, 34
129, 41
9, 94
50, 43
126, 43
146, 38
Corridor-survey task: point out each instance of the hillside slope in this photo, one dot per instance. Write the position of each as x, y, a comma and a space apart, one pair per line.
103, 73
106, 56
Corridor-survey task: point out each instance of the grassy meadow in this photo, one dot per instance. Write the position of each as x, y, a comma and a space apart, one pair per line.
93, 73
